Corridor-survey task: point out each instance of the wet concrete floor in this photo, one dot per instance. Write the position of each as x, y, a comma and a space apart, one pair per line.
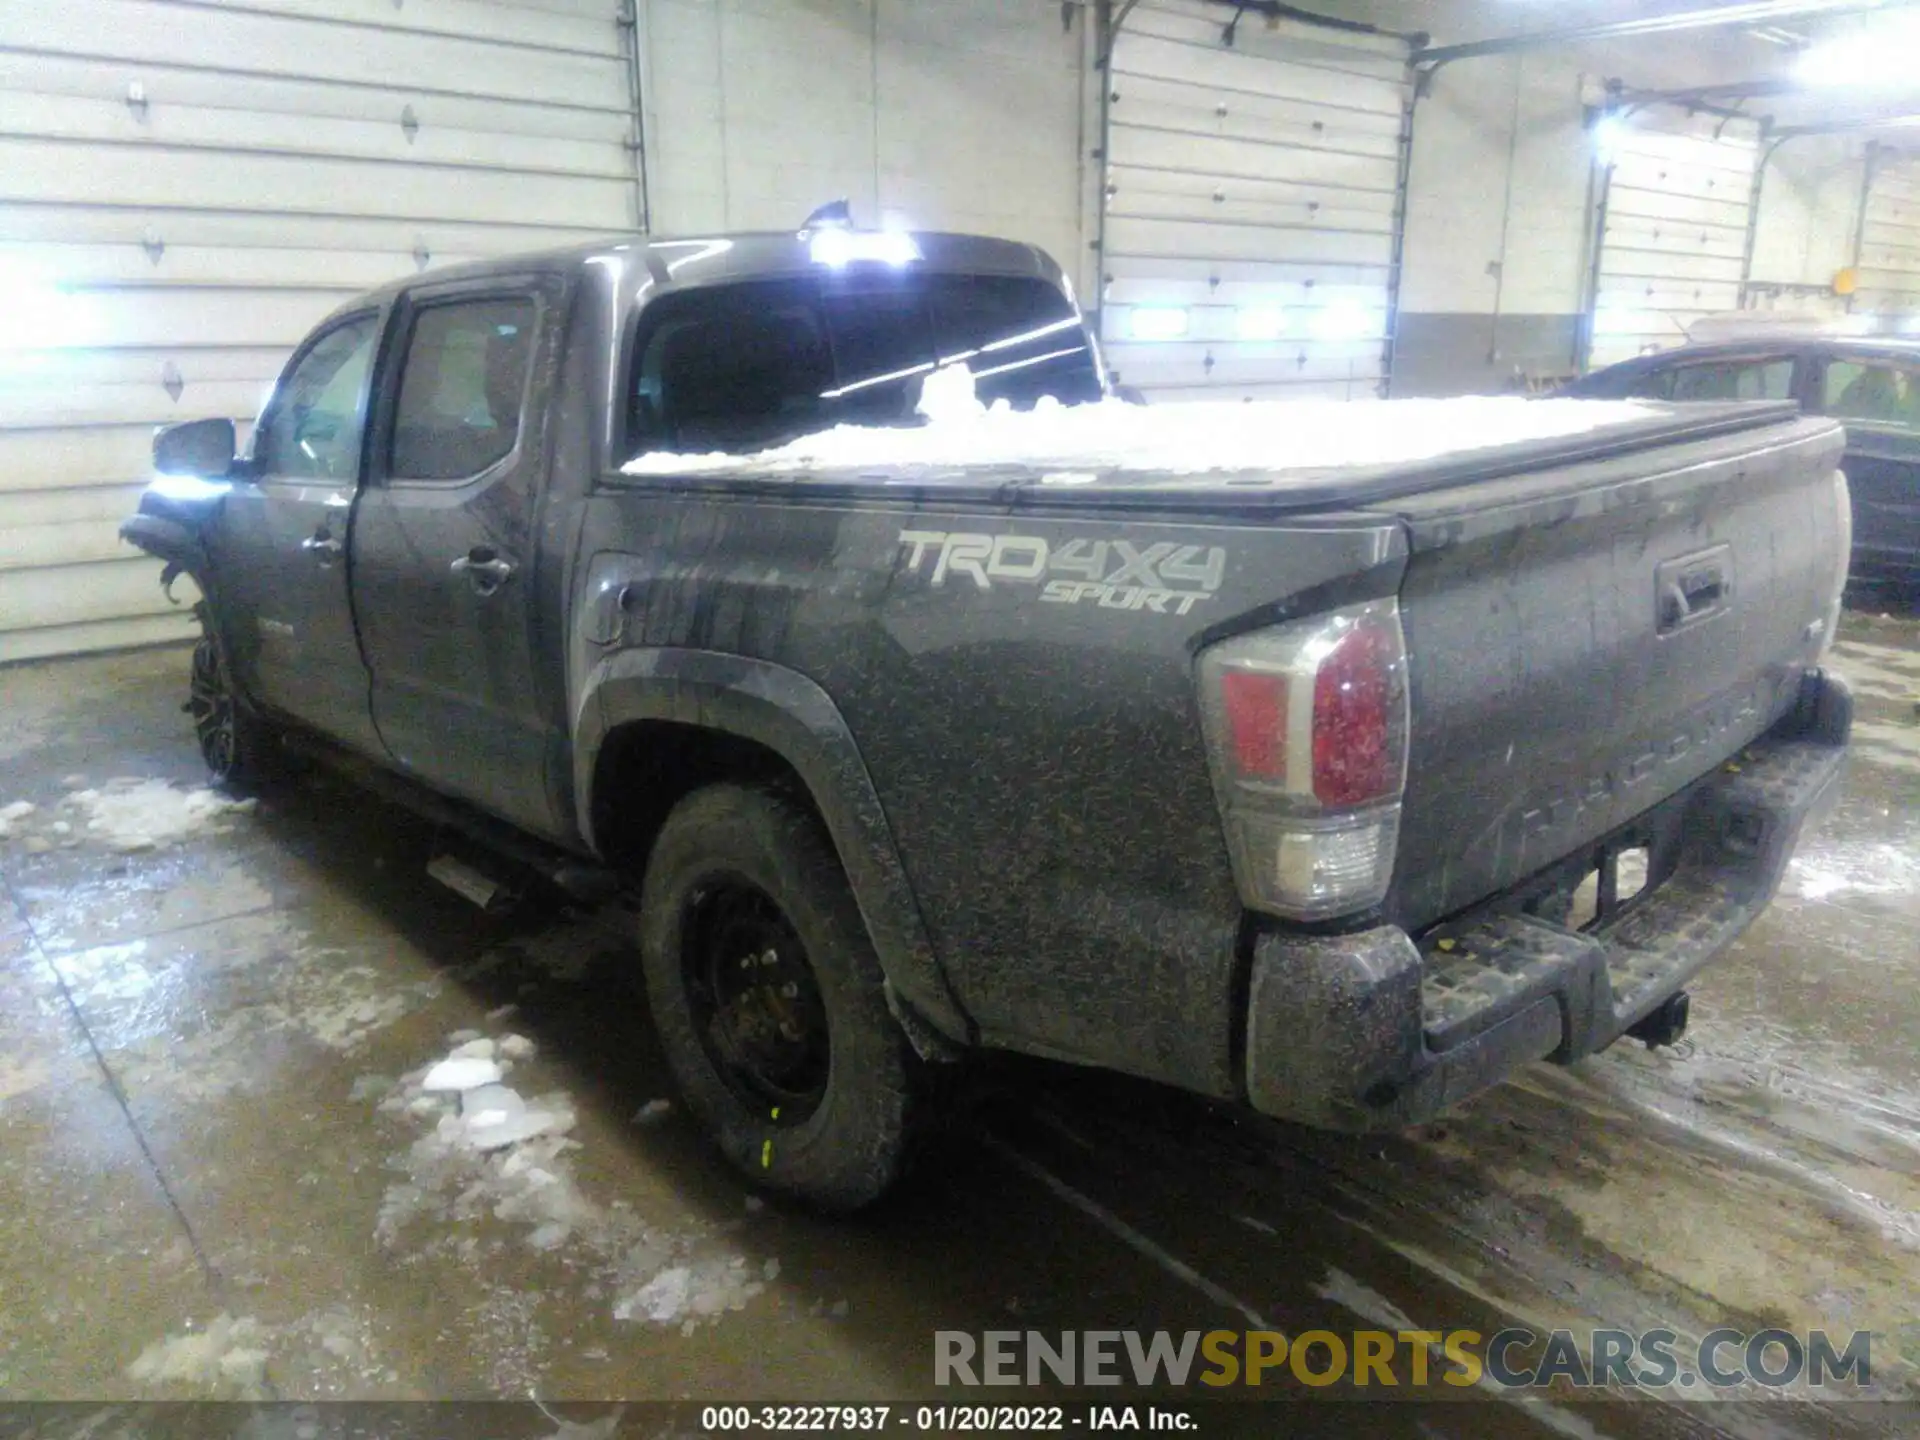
220, 1177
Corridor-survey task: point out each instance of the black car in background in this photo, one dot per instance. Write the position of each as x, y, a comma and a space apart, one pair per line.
1872, 386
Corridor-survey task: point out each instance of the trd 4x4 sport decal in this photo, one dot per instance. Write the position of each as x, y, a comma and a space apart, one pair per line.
1163, 577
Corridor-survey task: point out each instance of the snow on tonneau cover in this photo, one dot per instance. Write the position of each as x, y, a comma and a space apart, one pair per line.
1289, 442
1604, 600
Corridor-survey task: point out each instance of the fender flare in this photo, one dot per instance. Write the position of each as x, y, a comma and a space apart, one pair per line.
792, 716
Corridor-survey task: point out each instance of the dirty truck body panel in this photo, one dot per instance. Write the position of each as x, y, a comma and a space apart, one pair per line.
993, 692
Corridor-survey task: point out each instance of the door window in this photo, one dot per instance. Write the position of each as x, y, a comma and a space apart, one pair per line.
462, 386
312, 430
1879, 392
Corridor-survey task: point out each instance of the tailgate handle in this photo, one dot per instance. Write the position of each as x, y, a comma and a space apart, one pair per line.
1693, 587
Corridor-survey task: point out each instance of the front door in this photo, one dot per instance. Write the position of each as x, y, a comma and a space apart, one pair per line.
444, 547
1878, 400
282, 546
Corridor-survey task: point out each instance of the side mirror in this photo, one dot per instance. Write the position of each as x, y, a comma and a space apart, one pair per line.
194, 447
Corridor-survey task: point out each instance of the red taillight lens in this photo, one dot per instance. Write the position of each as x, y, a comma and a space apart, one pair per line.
1306, 727
1255, 708
1356, 755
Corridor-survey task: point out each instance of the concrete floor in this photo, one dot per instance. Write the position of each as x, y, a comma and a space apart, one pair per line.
218, 1176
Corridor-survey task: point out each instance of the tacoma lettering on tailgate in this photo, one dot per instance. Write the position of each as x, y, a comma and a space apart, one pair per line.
1163, 577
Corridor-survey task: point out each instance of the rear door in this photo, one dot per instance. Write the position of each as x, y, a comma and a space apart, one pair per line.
1878, 400
444, 546
281, 550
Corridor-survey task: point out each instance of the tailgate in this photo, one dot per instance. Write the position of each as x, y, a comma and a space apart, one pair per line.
1587, 640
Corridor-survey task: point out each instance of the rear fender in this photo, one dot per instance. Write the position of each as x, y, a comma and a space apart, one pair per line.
790, 715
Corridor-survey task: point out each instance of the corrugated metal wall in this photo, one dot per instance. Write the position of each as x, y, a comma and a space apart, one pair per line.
1674, 244
1889, 269
185, 188
1253, 203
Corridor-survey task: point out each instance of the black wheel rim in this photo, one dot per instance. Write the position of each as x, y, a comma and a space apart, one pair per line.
756, 1004
210, 703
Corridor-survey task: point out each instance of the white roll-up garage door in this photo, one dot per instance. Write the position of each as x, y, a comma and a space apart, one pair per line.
1253, 205
186, 187
1674, 244
1888, 276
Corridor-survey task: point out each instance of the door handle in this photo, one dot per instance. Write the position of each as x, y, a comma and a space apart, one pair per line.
323, 547
486, 570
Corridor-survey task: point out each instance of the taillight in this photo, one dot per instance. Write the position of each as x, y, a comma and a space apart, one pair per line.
1307, 732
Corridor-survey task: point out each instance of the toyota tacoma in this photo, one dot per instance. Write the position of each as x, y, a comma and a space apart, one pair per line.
1337, 773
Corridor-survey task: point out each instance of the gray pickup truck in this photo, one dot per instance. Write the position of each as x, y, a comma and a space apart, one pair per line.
1340, 792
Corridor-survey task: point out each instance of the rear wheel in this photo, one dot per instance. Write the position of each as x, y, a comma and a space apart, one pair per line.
769, 1001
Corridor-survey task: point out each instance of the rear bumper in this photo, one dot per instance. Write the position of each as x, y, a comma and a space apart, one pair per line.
1377, 1030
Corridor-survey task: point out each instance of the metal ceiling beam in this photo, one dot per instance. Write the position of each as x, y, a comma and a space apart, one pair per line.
1713, 94
1752, 12
1905, 120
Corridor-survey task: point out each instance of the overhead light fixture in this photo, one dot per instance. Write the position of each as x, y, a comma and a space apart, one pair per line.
1157, 322
835, 247
1878, 56
41, 313
1608, 132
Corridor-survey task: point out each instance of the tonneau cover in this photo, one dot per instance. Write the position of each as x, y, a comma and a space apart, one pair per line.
1268, 456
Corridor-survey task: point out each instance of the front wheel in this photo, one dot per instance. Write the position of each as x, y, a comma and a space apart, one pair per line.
769, 1001
233, 743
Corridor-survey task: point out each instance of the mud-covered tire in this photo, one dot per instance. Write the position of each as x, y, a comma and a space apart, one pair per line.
853, 1142
235, 744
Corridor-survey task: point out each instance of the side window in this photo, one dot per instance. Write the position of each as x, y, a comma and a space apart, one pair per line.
1768, 379
1881, 392
313, 427
1655, 385
462, 385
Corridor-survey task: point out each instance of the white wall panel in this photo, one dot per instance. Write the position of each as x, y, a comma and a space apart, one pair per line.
938, 114
1889, 281
1252, 205
186, 187
1677, 206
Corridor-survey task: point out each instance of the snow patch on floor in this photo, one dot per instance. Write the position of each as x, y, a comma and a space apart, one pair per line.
493, 1155
1286, 441
205, 1018
227, 1357
328, 1354
12, 814
132, 814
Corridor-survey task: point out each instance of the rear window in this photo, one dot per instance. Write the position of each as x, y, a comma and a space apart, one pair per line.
743, 367
1752, 379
